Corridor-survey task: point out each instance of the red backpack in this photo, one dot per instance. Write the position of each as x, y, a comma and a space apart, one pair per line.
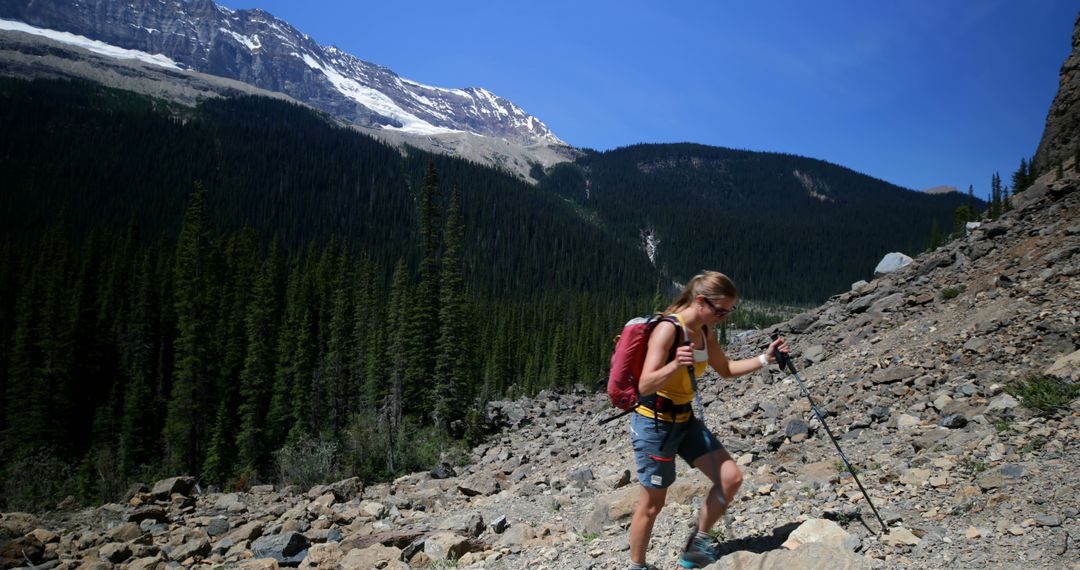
628, 360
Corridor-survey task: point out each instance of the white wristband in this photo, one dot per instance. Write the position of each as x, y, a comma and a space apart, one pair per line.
764, 360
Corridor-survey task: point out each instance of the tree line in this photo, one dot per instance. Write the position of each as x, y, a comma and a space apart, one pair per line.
786, 228
210, 353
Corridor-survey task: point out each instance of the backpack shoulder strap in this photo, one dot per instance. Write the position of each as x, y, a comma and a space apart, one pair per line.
680, 334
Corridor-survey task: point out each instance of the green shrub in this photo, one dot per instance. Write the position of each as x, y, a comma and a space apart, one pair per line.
36, 481
951, 292
1043, 395
971, 466
1034, 444
308, 462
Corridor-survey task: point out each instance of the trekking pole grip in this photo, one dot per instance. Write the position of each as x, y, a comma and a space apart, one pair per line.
782, 359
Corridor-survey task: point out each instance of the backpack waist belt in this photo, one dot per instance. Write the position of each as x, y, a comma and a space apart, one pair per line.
664, 409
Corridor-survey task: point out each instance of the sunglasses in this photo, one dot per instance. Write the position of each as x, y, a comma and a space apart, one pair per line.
719, 312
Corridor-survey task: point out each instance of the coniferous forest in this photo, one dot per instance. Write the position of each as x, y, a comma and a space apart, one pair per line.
241, 289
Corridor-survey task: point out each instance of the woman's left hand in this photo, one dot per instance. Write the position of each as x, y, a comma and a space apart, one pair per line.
777, 345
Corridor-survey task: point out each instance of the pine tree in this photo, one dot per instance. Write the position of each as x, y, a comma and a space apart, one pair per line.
279, 416
658, 301
453, 384
994, 210
257, 378
335, 366
391, 410
961, 217
1060, 171
139, 426
557, 377
217, 468
423, 323
186, 423
1021, 178
935, 235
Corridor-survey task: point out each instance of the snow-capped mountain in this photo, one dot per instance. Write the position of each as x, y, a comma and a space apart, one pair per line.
254, 47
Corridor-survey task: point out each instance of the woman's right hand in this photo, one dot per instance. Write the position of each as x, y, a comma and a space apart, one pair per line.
684, 355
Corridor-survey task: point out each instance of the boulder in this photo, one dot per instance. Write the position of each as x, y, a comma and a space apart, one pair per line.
817, 530
166, 487
376, 556
810, 556
891, 262
16, 553
442, 545
288, 548
199, 547
1066, 367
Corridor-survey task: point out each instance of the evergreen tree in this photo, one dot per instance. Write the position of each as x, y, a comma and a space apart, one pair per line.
423, 310
186, 424
1060, 171
994, 210
960, 218
217, 467
658, 301
368, 359
1021, 178
935, 235
335, 367
257, 378
139, 426
453, 384
391, 411
557, 377
279, 416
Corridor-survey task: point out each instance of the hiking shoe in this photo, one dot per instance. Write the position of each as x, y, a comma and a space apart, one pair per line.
699, 552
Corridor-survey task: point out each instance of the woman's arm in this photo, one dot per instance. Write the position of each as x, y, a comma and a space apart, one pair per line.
657, 370
732, 368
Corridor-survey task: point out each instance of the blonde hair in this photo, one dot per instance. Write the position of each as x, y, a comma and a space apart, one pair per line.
710, 284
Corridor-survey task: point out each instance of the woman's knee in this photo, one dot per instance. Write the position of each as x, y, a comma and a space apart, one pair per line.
733, 477
650, 506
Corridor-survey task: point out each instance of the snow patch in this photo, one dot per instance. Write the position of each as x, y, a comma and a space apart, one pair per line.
650, 243
252, 42
818, 189
376, 101
95, 46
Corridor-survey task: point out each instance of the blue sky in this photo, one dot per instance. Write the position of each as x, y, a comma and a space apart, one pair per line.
919, 93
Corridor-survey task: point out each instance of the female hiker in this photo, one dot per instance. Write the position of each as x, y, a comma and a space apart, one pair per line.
664, 425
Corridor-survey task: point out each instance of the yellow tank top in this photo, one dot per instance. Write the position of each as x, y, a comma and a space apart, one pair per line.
678, 388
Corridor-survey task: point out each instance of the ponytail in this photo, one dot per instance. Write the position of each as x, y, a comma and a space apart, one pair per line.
710, 284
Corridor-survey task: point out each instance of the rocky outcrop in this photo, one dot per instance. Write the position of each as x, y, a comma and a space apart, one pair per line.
1062, 132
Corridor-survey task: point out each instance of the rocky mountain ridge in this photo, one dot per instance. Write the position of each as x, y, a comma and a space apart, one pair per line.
255, 48
912, 370
1060, 142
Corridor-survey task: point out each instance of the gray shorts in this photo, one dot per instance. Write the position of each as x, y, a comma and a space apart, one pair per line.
656, 464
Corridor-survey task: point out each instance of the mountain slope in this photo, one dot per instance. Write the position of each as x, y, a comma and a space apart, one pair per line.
912, 382
90, 156
1060, 142
253, 47
784, 227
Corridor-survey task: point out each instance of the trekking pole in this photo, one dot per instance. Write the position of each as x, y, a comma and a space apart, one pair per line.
783, 360
699, 411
